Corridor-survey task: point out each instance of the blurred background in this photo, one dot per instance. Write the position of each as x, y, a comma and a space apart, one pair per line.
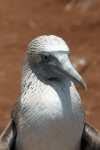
76, 21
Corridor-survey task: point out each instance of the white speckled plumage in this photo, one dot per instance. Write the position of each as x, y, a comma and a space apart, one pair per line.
53, 118
50, 119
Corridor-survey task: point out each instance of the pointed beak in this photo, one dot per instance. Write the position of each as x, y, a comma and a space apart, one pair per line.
65, 68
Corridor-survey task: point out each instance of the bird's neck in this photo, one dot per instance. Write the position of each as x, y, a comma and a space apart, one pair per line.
31, 75
27, 77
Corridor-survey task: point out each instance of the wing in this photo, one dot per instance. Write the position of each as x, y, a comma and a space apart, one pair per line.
90, 138
7, 138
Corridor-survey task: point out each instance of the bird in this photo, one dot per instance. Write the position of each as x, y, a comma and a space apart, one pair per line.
48, 115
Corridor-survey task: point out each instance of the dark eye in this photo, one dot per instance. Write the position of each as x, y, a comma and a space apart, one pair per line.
45, 57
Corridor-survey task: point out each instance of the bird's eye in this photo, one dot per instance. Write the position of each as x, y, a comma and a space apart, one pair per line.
45, 57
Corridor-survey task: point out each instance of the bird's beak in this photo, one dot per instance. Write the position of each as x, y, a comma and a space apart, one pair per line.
65, 68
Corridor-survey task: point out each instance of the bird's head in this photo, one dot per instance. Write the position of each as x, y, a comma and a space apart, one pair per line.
48, 56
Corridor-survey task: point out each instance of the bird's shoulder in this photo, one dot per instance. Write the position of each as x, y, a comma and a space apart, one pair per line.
8, 137
16, 112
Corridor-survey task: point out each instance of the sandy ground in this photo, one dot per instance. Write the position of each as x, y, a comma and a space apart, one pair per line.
78, 24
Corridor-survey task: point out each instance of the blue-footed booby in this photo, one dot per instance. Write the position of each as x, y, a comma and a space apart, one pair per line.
49, 115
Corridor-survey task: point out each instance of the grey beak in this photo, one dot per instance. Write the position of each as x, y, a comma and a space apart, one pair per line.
65, 68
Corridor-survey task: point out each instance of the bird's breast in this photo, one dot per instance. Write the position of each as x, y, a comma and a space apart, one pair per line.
49, 121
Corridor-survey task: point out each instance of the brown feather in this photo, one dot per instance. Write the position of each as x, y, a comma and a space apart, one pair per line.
7, 138
90, 138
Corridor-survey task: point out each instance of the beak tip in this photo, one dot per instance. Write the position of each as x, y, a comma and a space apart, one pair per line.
84, 86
